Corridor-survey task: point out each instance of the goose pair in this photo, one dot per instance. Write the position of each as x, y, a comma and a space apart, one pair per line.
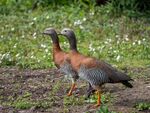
95, 72
61, 60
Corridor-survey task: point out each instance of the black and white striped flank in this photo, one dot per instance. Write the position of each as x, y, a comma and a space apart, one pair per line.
94, 76
67, 69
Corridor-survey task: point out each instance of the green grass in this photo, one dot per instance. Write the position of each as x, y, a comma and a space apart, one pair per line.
120, 41
142, 106
123, 42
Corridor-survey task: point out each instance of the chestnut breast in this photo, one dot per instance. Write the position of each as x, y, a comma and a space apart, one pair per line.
59, 58
78, 59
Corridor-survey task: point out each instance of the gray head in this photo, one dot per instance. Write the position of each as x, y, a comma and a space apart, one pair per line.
51, 32
68, 32
70, 35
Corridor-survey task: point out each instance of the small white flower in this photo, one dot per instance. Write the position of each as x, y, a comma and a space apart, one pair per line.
93, 49
126, 39
47, 17
133, 43
92, 13
106, 42
43, 46
38, 61
78, 22
117, 36
34, 18
139, 42
109, 40
107, 11
12, 29
22, 36
115, 51
2, 36
32, 56
31, 23
10, 59
81, 27
144, 39
34, 37
118, 58
17, 55
118, 41
34, 34
15, 45
46, 50
84, 19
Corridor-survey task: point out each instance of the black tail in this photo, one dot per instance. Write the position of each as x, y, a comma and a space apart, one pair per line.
126, 83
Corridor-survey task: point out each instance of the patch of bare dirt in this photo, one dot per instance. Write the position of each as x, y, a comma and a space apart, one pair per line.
40, 83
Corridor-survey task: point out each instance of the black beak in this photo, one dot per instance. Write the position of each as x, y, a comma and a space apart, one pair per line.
60, 34
44, 33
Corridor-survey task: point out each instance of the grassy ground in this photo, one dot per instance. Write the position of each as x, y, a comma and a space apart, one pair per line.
124, 42
121, 41
45, 91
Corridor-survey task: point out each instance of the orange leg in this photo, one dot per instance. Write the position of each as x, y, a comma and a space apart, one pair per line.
98, 100
71, 90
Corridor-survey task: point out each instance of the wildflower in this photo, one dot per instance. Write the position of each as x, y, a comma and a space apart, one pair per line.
2, 36
22, 36
117, 36
126, 37
133, 43
93, 49
109, 40
106, 42
38, 61
12, 29
15, 45
144, 39
17, 55
118, 42
78, 22
107, 11
118, 58
81, 27
31, 23
115, 51
139, 42
34, 35
47, 17
46, 50
43, 46
92, 13
35, 19
32, 57
84, 19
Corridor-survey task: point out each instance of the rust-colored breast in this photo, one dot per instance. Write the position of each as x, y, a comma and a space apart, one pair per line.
78, 59
59, 56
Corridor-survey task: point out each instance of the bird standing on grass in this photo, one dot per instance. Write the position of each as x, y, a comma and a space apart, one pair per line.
94, 71
61, 60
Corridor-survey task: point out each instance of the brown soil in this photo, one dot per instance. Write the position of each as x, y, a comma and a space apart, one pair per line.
40, 83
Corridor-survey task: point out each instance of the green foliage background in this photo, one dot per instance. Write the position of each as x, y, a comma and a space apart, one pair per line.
119, 40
